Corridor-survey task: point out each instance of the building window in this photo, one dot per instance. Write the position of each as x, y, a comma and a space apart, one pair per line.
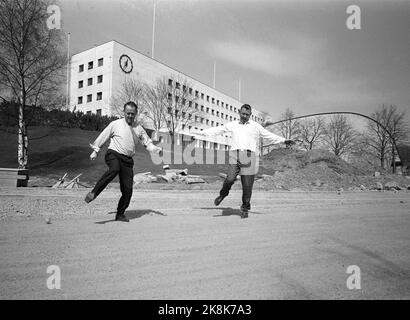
183, 127
207, 98
222, 115
177, 85
80, 100
89, 97
213, 100
215, 146
99, 79
202, 96
90, 81
202, 108
217, 113
212, 111
207, 110
202, 120
196, 118
100, 62
196, 106
90, 65
80, 84
170, 82
212, 123
230, 118
189, 116
81, 68
169, 96
190, 90
230, 108
222, 103
235, 109
99, 112
196, 93
217, 102
184, 88
207, 122
99, 95
183, 114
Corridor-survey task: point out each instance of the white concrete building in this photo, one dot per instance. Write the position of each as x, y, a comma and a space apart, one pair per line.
98, 73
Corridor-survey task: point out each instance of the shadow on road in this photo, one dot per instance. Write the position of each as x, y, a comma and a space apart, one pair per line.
228, 211
133, 214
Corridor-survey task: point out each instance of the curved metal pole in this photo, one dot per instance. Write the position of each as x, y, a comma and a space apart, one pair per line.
340, 112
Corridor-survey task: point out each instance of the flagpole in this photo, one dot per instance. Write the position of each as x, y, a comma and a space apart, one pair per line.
153, 30
239, 89
68, 70
214, 73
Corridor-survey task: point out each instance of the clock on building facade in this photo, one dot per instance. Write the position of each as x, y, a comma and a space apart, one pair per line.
126, 63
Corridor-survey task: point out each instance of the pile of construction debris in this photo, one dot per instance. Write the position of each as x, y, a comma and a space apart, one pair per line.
64, 183
169, 176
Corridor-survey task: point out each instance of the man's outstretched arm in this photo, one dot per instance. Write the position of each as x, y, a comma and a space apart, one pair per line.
100, 141
146, 140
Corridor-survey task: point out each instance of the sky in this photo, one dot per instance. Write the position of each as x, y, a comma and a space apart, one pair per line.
285, 54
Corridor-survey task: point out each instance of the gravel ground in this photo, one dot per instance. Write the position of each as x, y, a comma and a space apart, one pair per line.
294, 245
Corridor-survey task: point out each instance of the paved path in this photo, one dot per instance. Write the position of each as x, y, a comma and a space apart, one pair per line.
179, 246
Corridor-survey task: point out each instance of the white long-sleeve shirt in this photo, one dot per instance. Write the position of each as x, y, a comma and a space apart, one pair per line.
123, 137
245, 136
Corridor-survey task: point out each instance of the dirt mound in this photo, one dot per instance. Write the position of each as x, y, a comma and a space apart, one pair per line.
288, 159
321, 170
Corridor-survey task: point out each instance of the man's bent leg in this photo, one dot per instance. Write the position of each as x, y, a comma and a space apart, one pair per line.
113, 169
233, 171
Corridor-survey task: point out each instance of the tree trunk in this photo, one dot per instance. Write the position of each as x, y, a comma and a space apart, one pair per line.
22, 137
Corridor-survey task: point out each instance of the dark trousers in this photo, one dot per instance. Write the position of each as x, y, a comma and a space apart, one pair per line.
236, 163
118, 164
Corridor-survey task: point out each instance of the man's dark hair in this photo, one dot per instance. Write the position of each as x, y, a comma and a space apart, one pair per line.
131, 104
247, 107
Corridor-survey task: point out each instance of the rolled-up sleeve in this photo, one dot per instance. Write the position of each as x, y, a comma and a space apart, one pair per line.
143, 136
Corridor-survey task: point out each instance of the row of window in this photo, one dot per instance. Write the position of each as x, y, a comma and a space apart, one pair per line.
208, 98
90, 81
100, 63
89, 98
98, 112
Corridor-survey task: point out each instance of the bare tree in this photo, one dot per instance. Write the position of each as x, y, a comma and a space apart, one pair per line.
289, 129
155, 101
378, 139
131, 89
30, 57
178, 110
339, 135
311, 131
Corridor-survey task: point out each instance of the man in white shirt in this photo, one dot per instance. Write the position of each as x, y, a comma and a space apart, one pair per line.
123, 134
245, 136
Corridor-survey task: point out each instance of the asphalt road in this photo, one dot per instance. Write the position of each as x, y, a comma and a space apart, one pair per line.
179, 246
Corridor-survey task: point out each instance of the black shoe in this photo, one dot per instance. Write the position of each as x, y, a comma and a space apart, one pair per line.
244, 212
218, 200
89, 197
121, 217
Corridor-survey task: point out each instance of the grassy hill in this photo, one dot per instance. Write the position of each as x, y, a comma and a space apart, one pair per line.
56, 151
